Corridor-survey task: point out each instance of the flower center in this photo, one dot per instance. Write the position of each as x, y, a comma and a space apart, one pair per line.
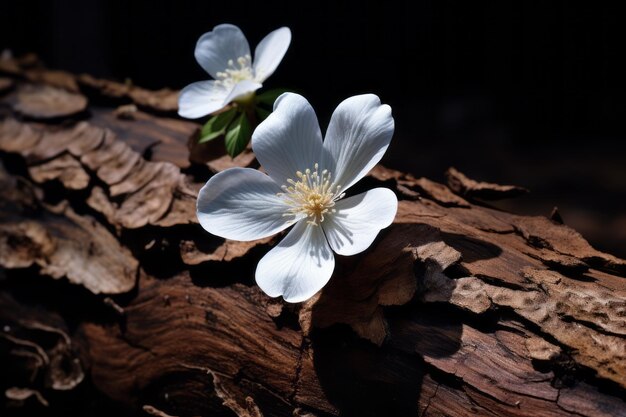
312, 194
236, 71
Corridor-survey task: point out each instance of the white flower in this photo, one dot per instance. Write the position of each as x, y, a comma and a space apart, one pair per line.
305, 186
224, 53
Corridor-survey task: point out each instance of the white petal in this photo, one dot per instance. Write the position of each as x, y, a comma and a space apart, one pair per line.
241, 89
299, 266
241, 204
201, 98
358, 135
214, 49
358, 219
289, 140
269, 52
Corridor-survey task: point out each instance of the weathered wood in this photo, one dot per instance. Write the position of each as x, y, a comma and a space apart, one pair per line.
46, 102
457, 309
460, 184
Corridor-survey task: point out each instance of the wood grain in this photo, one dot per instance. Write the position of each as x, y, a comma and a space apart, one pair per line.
113, 300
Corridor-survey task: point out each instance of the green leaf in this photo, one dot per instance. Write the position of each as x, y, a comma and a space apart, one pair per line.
270, 96
217, 125
262, 113
238, 136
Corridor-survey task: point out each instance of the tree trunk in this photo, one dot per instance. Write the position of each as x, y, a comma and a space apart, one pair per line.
114, 300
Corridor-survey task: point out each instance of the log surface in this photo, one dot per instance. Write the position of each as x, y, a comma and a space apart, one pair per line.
114, 300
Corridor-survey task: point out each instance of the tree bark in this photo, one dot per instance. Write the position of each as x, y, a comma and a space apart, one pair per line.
114, 300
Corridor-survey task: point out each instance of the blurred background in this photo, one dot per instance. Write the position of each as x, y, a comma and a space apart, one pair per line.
528, 93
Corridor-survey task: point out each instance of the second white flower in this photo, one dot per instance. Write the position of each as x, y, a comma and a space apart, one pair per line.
225, 54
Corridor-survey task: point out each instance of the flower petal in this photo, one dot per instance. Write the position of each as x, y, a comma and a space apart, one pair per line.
242, 88
299, 266
289, 140
241, 204
201, 98
358, 219
358, 135
269, 52
214, 49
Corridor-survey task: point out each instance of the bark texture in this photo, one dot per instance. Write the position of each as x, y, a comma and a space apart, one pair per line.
114, 300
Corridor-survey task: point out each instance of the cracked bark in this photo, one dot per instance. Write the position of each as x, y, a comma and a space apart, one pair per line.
114, 300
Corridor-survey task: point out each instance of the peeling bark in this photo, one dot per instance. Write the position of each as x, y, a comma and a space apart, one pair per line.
462, 185
113, 300
46, 102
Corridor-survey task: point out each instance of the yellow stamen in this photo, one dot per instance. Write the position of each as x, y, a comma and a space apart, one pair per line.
313, 195
236, 73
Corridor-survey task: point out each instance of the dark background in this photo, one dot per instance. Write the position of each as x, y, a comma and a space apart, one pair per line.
530, 93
